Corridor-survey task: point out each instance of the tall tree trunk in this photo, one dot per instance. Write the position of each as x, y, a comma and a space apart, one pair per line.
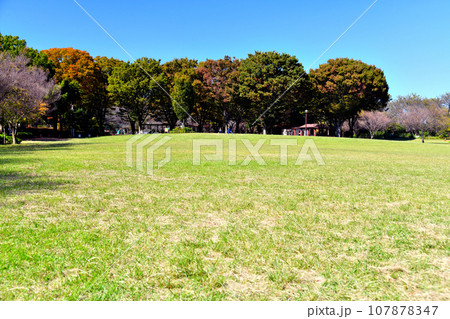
351, 124
55, 123
13, 133
338, 128
101, 128
101, 119
238, 122
423, 137
4, 133
133, 126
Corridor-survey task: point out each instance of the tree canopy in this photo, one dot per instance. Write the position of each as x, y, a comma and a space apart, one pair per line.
274, 84
80, 66
27, 93
135, 88
345, 87
215, 84
14, 46
265, 90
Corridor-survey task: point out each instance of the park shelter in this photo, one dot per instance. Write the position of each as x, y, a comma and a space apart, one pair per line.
313, 129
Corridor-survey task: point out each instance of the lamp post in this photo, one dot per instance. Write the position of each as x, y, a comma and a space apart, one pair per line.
72, 130
423, 131
306, 123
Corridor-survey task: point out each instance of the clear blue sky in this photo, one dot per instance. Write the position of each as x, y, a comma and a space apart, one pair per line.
408, 39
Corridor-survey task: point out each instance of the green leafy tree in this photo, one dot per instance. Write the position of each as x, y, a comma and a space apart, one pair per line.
14, 46
107, 65
183, 94
164, 109
103, 101
345, 87
175, 66
274, 84
62, 110
173, 69
135, 92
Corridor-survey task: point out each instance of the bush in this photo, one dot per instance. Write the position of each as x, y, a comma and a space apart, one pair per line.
182, 130
9, 139
445, 133
24, 135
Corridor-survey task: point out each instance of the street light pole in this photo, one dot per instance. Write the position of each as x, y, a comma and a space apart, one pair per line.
306, 123
423, 133
72, 130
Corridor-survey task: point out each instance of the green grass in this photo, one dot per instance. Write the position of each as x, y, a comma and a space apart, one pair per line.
372, 224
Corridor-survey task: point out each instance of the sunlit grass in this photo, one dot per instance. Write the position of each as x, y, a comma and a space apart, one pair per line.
77, 223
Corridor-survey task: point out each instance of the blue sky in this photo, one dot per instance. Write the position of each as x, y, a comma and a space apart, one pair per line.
408, 39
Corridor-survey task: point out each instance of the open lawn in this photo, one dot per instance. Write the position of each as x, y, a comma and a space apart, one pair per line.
373, 223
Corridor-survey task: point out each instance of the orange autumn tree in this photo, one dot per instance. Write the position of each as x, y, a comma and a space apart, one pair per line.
77, 65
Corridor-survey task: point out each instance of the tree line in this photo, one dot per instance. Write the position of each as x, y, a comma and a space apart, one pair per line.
266, 90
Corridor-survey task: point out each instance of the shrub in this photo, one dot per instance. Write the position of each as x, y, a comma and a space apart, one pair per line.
9, 139
175, 130
445, 133
24, 135
181, 130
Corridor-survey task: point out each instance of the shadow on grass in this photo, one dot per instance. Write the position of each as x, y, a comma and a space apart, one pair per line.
24, 148
14, 181
436, 142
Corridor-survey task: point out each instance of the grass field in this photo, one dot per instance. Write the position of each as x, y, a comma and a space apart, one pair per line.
78, 224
